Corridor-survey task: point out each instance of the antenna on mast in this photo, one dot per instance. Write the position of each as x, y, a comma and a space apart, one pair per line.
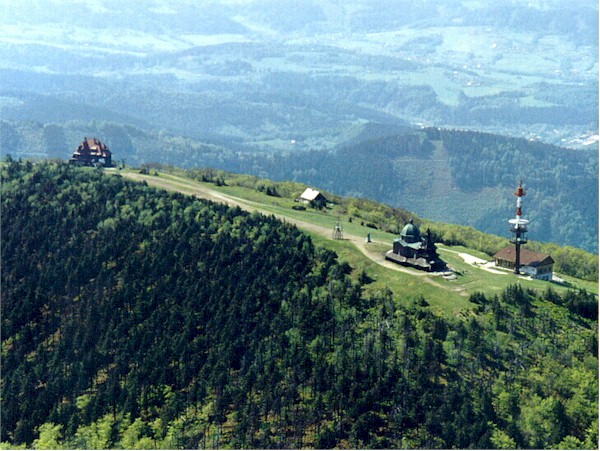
519, 227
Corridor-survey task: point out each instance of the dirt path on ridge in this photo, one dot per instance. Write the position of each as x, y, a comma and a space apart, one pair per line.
171, 184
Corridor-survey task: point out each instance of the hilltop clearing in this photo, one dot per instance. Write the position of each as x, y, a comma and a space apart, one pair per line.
177, 184
250, 193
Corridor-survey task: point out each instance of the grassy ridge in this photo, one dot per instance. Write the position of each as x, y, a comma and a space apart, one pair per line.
451, 297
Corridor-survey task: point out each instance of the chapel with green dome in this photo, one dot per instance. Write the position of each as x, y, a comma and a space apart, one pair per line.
413, 249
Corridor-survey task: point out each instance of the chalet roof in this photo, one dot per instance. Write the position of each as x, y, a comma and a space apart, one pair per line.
94, 144
528, 258
310, 194
92, 147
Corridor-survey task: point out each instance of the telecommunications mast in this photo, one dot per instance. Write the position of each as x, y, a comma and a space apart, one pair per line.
519, 227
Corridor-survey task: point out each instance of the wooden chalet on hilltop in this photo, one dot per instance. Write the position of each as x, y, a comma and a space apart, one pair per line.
313, 197
534, 264
92, 152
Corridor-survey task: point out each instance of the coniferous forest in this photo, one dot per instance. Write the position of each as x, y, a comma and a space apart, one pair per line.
136, 318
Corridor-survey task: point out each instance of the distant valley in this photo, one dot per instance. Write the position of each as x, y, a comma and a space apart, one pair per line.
286, 75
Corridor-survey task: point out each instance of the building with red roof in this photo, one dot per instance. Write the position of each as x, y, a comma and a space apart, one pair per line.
92, 152
535, 264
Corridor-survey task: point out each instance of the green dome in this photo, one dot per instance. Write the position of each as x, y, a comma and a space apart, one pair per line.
411, 233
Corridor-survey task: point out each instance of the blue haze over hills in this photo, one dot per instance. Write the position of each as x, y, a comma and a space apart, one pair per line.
268, 72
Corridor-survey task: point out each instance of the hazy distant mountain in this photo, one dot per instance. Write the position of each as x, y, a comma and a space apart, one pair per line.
266, 73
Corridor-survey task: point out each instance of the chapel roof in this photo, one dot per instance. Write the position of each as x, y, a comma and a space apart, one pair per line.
411, 233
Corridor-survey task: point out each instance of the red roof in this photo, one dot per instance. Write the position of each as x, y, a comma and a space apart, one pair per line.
94, 144
528, 258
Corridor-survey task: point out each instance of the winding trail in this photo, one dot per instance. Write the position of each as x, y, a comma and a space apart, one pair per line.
183, 186
478, 262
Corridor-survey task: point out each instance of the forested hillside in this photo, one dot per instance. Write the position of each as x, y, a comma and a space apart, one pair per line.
457, 176
142, 319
